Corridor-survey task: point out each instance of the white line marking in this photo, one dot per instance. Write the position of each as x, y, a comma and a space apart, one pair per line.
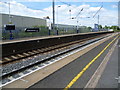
92, 83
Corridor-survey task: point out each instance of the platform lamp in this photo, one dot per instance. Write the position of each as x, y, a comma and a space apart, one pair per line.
77, 24
47, 17
77, 19
10, 26
10, 22
57, 19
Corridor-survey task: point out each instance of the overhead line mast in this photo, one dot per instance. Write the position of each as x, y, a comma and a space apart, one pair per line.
53, 14
79, 13
97, 11
98, 15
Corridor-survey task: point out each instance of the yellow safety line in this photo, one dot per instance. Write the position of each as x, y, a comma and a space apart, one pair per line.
88, 65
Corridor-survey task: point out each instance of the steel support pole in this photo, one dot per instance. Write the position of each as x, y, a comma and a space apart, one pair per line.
98, 22
53, 26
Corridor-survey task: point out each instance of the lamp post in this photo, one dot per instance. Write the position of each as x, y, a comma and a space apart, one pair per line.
9, 4
57, 19
77, 19
78, 22
10, 21
53, 8
9, 14
98, 22
77, 26
49, 24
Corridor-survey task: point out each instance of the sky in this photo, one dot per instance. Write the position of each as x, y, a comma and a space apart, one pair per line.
108, 15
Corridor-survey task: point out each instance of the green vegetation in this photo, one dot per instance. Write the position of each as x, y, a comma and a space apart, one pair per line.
100, 27
44, 31
115, 28
22, 34
85, 29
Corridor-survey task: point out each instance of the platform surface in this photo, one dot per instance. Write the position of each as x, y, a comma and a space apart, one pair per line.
110, 74
62, 77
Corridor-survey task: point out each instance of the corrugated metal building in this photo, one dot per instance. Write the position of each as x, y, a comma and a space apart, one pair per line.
22, 21
66, 27
81, 29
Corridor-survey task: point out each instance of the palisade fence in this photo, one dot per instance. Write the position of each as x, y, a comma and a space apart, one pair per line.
19, 33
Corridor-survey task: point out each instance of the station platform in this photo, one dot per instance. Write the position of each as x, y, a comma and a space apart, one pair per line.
93, 66
108, 78
43, 37
14, 47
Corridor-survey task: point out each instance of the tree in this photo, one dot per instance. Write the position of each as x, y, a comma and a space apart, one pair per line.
100, 26
89, 28
106, 27
118, 28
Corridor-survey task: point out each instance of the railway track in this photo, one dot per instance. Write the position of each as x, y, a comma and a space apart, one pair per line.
31, 60
20, 56
17, 57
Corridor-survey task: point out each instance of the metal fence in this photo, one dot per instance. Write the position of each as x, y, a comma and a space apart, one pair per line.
19, 33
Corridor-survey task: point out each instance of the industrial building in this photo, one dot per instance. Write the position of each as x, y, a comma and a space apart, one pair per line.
21, 21
66, 27
82, 29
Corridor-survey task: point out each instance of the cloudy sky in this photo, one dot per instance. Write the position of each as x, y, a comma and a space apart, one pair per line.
41, 8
